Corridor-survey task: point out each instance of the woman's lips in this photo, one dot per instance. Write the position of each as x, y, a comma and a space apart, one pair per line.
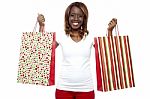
75, 23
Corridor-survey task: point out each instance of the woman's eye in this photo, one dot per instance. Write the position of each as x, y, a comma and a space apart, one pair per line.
72, 15
80, 16
76, 15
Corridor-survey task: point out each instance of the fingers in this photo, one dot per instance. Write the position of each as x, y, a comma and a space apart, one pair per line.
40, 18
114, 19
113, 22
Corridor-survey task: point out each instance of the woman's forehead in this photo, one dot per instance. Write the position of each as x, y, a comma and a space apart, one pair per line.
76, 9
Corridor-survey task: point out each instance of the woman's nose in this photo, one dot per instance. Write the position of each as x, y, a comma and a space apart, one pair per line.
76, 17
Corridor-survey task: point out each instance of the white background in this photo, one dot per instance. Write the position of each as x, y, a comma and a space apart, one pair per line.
17, 16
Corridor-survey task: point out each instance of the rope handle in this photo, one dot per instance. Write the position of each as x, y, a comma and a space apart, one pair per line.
117, 30
35, 26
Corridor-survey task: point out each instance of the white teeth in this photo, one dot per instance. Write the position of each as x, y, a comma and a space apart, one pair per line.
75, 23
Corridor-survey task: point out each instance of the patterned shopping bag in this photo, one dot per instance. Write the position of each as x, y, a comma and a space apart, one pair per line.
113, 63
37, 59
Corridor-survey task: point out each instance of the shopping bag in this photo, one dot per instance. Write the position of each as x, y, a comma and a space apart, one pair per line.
37, 59
114, 68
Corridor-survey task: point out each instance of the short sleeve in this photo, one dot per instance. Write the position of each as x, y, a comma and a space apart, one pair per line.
60, 36
91, 38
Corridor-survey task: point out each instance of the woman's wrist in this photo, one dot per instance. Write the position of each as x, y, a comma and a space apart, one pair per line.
109, 32
42, 28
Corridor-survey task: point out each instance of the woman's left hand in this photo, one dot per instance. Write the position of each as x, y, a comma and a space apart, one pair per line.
112, 24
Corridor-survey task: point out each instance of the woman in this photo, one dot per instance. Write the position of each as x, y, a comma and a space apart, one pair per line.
75, 80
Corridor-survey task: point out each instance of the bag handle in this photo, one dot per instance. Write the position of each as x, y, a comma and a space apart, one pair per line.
117, 30
35, 26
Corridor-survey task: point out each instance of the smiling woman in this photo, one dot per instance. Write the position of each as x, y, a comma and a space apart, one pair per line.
76, 18
77, 13
75, 80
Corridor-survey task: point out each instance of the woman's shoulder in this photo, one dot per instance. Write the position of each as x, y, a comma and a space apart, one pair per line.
90, 37
61, 36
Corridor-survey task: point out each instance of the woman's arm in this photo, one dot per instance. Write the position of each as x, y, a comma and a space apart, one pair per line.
41, 21
111, 26
57, 44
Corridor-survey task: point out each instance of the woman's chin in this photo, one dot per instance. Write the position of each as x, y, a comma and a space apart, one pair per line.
75, 28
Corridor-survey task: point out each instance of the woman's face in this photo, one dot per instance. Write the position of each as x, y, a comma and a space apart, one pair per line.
76, 18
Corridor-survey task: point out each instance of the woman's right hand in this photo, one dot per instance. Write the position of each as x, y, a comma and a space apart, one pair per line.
41, 19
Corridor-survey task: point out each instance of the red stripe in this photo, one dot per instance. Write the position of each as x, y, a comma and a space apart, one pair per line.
127, 60
119, 62
130, 62
103, 65
52, 65
123, 62
112, 62
98, 70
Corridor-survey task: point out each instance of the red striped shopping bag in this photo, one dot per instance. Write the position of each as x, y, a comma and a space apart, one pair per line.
37, 59
113, 63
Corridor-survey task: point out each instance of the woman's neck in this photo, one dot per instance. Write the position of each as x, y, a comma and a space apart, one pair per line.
75, 36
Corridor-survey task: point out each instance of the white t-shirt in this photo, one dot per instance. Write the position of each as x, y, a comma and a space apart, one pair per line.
75, 73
